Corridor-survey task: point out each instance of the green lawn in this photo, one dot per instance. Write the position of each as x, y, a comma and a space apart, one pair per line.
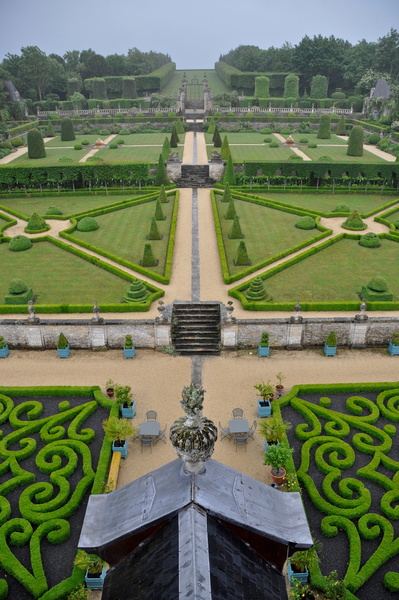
326, 203
56, 141
336, 273
392, 218
57, 276
241, 138
217, 85
242, 153
68, 204
145, 154
267, 232
52, 157
173, 86
312, 137
338, 154
124, 232
143, 139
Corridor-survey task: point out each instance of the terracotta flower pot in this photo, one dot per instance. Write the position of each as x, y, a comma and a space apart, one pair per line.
278, 476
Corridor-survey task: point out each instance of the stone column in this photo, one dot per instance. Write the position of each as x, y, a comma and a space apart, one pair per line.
230, 335
295, 332
34, 337
98, 336
162, 334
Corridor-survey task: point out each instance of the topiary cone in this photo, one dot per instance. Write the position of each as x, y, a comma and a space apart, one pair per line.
161, 177
225, 149
162, 195
159, 216
235, 231
148, 257
229, 175
242, 257
154, 232
231, 211
137, 292
256, 291
226, 194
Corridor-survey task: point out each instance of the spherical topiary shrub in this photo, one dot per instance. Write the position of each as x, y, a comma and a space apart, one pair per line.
18, 292
377, 290
78, 146
324, 158
370, 240
303, 140
53, 210
67, 132
274, 145
36, 224
17, 141
35, 144
312, 145
17, 286
354, 221
20, 243
355, 142
267, 140
396, 224
306, 222
113, 146
373, 138
85, 142
87, 224
121, 141
342, 208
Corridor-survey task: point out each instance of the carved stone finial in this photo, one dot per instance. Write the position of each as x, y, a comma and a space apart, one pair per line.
296, 318
31, 310
96, 311
193, 436
161, 309
362, 315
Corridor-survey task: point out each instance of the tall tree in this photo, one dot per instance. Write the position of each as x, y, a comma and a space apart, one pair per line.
35, 69
97, 66
387, 53
357, 61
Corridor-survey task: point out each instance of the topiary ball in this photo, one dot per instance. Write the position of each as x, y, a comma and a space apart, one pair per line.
396, 224
17, 286
19, 243
274, 145
113, 146
303, 140
312, 145
306, 223
53, 210
78, 146
378, 284
87, 224
370, 240
342, 208
324, 158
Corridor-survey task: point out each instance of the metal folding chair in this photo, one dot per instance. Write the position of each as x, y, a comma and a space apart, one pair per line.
252, 429
146, 440
151, 415
238, 413
161, 436
240, 439
224, 432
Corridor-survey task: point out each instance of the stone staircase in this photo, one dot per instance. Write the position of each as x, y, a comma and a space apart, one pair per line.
194, 176
196, 328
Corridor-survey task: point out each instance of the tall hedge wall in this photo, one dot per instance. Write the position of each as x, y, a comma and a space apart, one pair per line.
245, 81
154, 82
310, 170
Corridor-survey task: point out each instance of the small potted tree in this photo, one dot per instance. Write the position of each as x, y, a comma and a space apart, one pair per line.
277, 457
116, 431
393, 347
273, 430
266, 396
94, 568
63, 346
279, 385
110, 388
301, 561
330, 345
263, 346
129, 351
124, 398
4, 351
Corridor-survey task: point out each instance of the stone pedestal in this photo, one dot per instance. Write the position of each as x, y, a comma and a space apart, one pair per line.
358, 334
34, 337
230, 335
162, 334
98, 337
295, 331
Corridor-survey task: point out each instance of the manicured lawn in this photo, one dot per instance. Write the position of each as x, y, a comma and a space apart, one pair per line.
267, 232
59, 277
56, 141
241, 138
392, 218
143, 139
242, 153
312, 137
145, 154
173, 86
326, 203
338, 154
124, 233
336, 273
52, 157
68, 204
217, 85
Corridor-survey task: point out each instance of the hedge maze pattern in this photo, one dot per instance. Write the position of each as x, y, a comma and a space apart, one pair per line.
61, 452
333, 446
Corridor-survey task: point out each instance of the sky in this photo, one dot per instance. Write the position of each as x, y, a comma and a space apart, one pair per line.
194, 34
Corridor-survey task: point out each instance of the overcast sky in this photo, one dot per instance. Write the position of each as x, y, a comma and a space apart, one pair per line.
193, 33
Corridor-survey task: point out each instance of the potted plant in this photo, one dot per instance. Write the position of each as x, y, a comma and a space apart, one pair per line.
263, 346
277, 457
393, 347
79, 593
266, 396
129, 350
279, 385
301, 591
63, 346
273, 430
94, 568
4, 351
116, 431
301, 561
330, 345
110, 388
124, 398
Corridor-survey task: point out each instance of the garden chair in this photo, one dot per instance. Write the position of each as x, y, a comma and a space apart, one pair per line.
224, 432
161, 436
252, 429
146, 440
241, 440
238, 413
151, 415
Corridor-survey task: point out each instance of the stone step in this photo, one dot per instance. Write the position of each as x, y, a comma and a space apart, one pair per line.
196, 328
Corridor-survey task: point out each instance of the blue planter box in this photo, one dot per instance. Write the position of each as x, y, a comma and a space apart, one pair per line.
330, 350
95, 583
121, 449
302, 577
393, 349
4, 352
128, 413
264, 411
267, 445
63, 352
129, 352
263, 350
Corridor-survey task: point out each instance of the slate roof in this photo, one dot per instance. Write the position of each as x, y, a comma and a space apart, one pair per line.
381, 89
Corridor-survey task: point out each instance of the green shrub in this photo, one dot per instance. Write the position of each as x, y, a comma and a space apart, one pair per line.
17, 286
162, 196
179, 126
312, 145
229, 176
36, 223
341, 129
6, 145
159, 216
274, 144
35, 144
99, 88
373, 138
265, 130
62, 342
78, 146
154, 232
242, 257
227, 194
18, 292
324, 132
217, 140
161, 177
319, 87
53, 210
67, 132
166, 149
235, 231
354, 221
85, 142
306, 222
225, 149
87, 224
137, 292
303, 140
377, 290
17, 142
331, 339
262, 85
295, 158
291, 86
231, 211
355, 142
50, 130
129, 87
325, 158
396, 224
257, 292
342, 208
148, 257
370, 240
20, 243
267, 140
120, 141
113, 146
